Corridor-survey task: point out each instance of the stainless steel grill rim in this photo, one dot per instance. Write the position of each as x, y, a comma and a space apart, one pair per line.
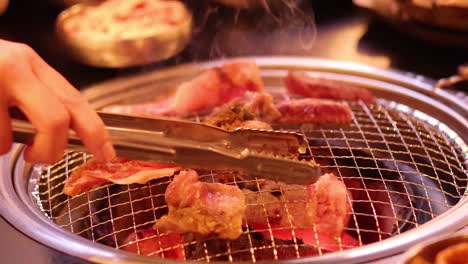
459, 190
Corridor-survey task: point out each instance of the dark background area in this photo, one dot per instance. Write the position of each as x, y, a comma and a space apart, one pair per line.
342, 32
332, 29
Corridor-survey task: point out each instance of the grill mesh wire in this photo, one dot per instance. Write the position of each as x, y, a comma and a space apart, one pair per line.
401, 172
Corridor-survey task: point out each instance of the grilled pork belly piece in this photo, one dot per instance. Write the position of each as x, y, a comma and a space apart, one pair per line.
211, 88
323, 205
315, 87
314, 111
202, 208
252, 110
119, 171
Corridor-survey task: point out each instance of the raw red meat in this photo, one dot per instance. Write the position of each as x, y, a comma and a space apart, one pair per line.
202, 208
150, 244
314, 111
119, 171
211, 88
315, 87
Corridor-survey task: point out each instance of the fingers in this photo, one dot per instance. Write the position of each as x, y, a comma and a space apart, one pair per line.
51, 104
47, 115
83, 118
5, 127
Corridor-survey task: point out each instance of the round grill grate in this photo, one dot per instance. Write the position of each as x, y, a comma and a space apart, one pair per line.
402, 168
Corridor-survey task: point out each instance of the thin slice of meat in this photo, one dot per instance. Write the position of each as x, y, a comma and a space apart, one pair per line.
211, 88
202, 208
323, 206
314, 111
316, 87
245, 111
119, 171
147, 242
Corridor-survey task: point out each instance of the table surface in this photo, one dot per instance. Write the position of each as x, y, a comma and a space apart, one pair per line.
340, 32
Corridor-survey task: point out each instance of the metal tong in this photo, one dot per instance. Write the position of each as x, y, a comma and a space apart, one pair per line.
262, 154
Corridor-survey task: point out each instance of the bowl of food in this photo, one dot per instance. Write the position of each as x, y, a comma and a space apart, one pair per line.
120, 33
440, 21
441, 251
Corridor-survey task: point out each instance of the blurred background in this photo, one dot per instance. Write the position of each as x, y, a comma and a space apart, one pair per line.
332, 29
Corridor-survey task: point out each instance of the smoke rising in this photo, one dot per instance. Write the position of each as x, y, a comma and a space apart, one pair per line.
273, 27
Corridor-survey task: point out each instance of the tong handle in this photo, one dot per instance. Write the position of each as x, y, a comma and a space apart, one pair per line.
125, 146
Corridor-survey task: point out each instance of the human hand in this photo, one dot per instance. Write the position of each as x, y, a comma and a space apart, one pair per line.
51, 104
3, 6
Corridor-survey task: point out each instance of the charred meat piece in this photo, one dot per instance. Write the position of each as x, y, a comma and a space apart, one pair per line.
314, 111
323, 205
243, 111
147, 242
211, 88
119, 171
315, 87
202, 208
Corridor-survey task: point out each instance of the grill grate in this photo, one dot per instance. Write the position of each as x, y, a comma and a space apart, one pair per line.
402, 168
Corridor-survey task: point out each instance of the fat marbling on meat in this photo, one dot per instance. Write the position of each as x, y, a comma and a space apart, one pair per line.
306, 85
314, 111
119, 171
202, 208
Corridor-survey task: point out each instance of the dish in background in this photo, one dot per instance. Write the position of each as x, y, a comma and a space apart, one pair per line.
100, 33
441, 251
439, 22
